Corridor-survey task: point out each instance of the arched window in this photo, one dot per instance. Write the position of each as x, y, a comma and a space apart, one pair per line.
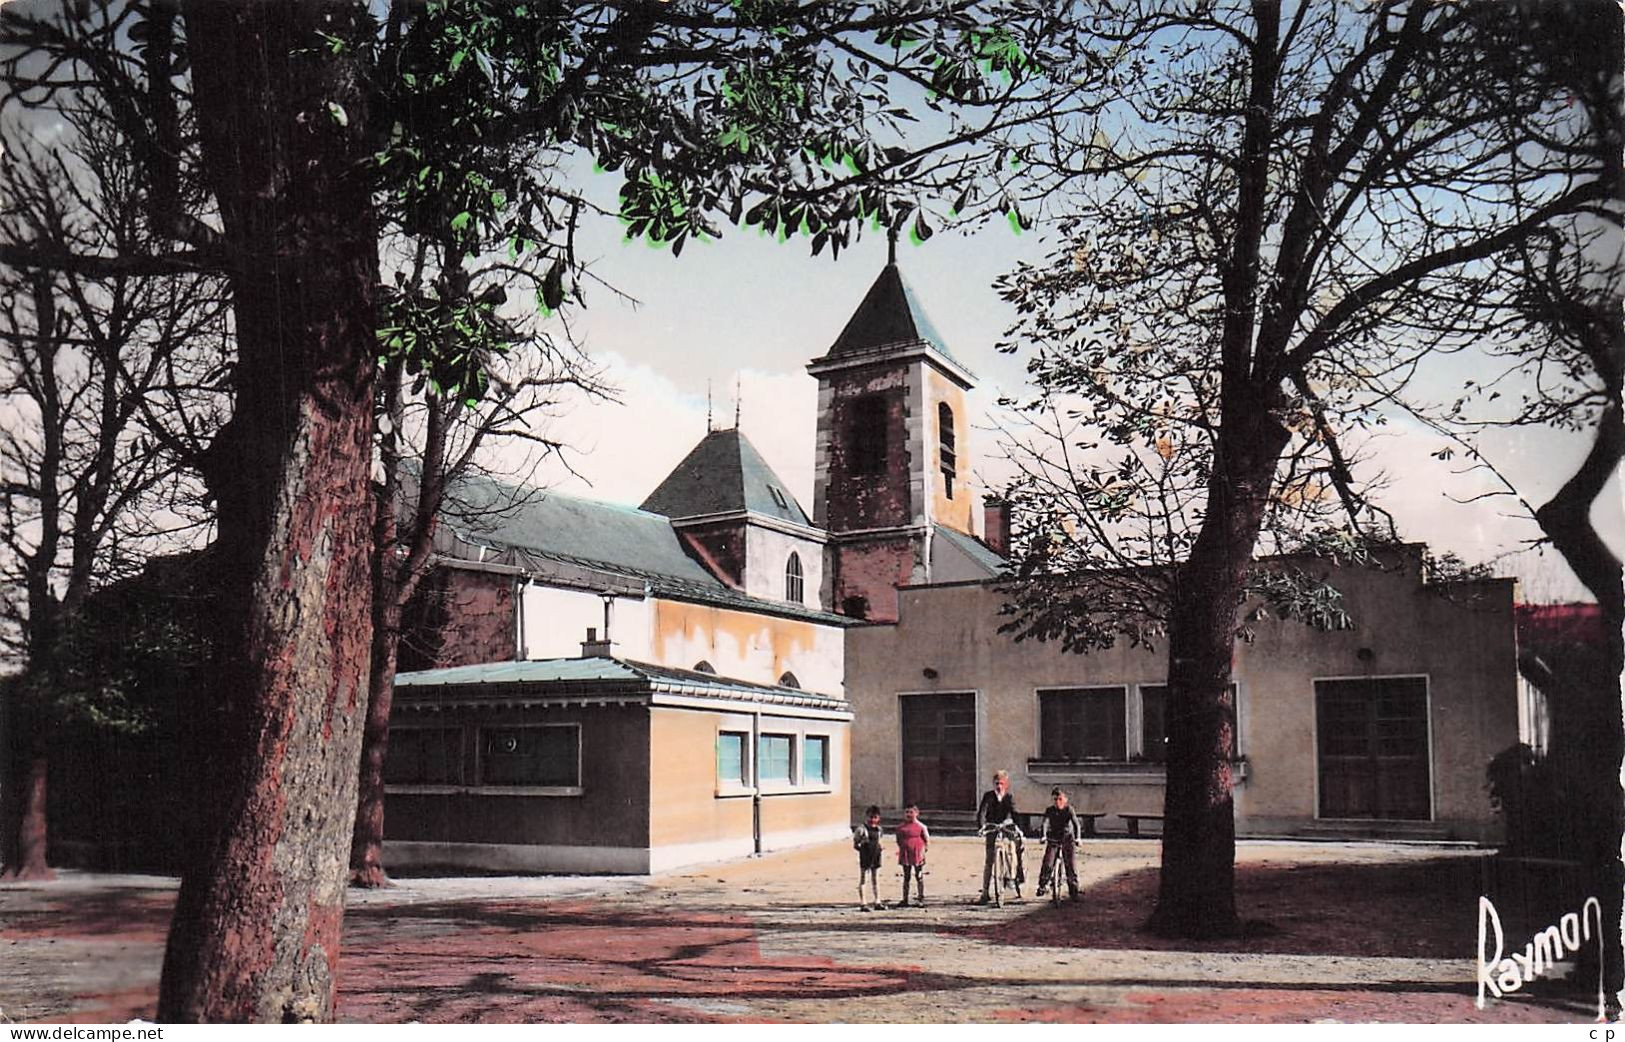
792, 578
703, 666
945, 438
789, 680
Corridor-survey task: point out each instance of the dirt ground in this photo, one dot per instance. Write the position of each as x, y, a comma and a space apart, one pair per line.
1348, 932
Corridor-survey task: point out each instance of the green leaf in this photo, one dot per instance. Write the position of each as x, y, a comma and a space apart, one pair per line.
461, 221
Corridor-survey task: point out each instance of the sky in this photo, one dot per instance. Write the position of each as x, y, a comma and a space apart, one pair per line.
750, 311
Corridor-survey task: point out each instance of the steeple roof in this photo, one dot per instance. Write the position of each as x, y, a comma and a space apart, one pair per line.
724, 474
890, 321
889, 314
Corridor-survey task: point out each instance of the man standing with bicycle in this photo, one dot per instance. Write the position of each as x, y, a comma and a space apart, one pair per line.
996, 808
1062, 827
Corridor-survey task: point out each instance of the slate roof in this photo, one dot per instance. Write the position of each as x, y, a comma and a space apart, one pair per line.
590, 544
978, 551
724, 473
889, 315
563, 676
622, 538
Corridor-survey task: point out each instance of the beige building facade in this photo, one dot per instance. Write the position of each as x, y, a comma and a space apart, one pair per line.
1381, 730
596, 765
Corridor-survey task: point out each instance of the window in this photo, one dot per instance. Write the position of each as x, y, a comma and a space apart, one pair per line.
731, 758
788, 679
792, 578
773, 758
424, 756
855, 607
866, 435
1082, 724
945, 438
703, 666
1154, 722
540, 756
815, 760
778, 497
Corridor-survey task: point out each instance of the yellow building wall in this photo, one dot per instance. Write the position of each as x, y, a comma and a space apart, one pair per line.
957, 512
694, 818
749, 646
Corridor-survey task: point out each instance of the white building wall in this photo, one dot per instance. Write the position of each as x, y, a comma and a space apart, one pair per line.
556, 621
745, 645
766, 553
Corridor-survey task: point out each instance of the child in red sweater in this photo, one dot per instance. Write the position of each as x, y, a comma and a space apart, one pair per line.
912, 839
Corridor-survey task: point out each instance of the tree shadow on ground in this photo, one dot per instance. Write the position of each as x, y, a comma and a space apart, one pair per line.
1414, 909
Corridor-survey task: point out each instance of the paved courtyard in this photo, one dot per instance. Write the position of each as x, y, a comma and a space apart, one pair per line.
1350, 933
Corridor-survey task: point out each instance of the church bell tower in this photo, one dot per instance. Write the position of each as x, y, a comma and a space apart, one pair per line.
892, 463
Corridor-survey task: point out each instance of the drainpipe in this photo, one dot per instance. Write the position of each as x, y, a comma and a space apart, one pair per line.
519, 585
756, 783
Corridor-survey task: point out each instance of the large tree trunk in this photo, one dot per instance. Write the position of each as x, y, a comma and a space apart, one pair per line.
1196, 893
25, 856
257, 924
1566, 521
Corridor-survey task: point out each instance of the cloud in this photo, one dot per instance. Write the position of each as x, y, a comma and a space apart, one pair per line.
621, 450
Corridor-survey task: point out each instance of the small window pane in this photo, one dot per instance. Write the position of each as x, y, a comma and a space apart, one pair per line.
531, 756
815, 768
773, 758
424, 756
731, 758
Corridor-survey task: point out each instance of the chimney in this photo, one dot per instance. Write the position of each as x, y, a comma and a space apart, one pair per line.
996, 524
592, 647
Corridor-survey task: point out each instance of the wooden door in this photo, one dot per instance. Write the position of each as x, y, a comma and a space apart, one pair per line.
1372, 736
939, 751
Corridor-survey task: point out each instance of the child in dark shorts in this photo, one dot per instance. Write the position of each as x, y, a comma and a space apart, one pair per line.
866, 841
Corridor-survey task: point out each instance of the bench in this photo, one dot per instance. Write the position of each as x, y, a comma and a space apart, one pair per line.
1028, 821
1133, 821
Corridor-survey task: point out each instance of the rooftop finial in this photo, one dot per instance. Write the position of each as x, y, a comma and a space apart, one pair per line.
738, 384
891, 245
708, 405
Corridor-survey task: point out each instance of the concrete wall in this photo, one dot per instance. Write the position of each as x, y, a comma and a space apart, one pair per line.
556, 621
766, 552
742, 644
758, 648
1459, 638
695, 819
603, 828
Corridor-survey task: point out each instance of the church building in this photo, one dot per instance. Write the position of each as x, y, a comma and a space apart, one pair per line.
591, 687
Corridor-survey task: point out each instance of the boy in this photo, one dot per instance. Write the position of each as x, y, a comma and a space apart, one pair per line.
999, 806
866, 841
1062, 828
912, 839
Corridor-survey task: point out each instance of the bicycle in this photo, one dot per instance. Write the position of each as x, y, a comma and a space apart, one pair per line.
1055, 860
1005, 869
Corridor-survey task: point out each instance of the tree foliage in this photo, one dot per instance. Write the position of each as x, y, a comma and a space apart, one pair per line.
1270, 215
